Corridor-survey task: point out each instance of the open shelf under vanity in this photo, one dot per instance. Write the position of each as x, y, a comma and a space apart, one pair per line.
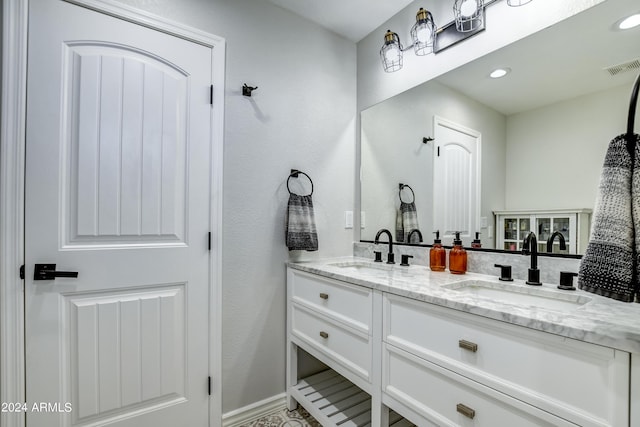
334, 401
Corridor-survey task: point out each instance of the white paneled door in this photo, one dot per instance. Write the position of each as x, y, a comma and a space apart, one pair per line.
118, 170
456, 180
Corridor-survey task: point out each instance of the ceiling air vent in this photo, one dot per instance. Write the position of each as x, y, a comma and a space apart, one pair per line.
622, 68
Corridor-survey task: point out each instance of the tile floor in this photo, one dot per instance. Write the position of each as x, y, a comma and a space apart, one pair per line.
286, 418
301, 418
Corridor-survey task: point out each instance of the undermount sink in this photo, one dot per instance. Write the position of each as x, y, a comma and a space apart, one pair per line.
362, 266
519, 294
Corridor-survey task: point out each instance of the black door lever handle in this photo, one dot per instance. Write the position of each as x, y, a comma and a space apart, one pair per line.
48, 272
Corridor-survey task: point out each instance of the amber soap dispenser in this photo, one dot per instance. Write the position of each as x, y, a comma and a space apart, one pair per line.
437, 254
457, 257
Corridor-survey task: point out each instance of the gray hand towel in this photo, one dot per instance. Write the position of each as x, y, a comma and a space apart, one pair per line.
300, 224
609, 264
409, 221
399, 227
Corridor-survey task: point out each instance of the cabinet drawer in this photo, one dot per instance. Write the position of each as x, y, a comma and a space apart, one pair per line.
585, 383
349, 347
347, 303
447, 399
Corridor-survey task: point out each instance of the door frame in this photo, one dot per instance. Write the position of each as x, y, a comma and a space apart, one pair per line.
15, 14
439, 121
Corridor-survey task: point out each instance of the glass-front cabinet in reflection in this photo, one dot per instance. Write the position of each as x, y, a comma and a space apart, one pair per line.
570, 225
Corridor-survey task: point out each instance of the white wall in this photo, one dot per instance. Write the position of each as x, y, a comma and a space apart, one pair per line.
1, 44
555, 153
302, 116
393, 152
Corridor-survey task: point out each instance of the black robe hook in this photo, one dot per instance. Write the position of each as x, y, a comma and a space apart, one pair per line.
246, 90
631, 143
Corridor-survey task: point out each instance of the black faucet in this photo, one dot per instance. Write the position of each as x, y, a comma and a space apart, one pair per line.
563, 245
390, 256
415, 230
530, 241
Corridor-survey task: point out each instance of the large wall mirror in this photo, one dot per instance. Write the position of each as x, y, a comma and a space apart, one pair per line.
539, 134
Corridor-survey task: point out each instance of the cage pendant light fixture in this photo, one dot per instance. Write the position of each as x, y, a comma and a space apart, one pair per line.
391, 52
426, 38
423, 33
468, 14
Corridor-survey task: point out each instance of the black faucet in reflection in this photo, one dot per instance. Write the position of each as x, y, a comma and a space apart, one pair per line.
415, 230
560, 236
530, 247
390, 255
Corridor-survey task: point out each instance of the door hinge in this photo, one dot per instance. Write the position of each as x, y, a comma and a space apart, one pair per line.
209, 385
211, 95
22, 271
209, 240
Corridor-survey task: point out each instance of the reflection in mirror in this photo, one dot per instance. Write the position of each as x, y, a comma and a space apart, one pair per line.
542, 131
393, 151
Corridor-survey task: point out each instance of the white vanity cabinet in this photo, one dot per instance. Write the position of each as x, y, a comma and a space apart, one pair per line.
332, 321
390, 355
450, 368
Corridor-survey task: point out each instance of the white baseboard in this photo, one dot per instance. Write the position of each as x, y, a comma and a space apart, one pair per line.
254, 411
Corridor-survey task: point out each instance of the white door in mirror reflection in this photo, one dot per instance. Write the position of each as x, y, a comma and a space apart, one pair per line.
456, 180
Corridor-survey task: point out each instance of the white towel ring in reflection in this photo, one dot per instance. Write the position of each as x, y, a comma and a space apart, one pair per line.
401, 187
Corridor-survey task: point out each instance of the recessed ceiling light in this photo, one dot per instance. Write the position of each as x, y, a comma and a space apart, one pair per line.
630, 22
499, 72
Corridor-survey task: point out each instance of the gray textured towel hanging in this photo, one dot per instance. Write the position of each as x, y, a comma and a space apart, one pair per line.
609, 264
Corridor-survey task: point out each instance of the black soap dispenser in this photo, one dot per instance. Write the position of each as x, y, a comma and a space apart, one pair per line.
476, 242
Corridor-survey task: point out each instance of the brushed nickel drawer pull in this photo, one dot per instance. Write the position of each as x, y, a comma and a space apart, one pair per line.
468, 345
324, 335
324, 296
465, 410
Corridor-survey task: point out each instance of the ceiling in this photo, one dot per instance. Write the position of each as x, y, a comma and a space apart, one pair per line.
353, 19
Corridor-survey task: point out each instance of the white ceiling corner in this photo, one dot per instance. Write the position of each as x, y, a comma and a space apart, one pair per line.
353, 19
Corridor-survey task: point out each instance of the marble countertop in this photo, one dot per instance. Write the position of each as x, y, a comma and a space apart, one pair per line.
600, 320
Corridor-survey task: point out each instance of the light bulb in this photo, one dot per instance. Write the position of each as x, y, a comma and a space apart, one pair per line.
468, 8
499, 72
392, 54
423, 34
630, 22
